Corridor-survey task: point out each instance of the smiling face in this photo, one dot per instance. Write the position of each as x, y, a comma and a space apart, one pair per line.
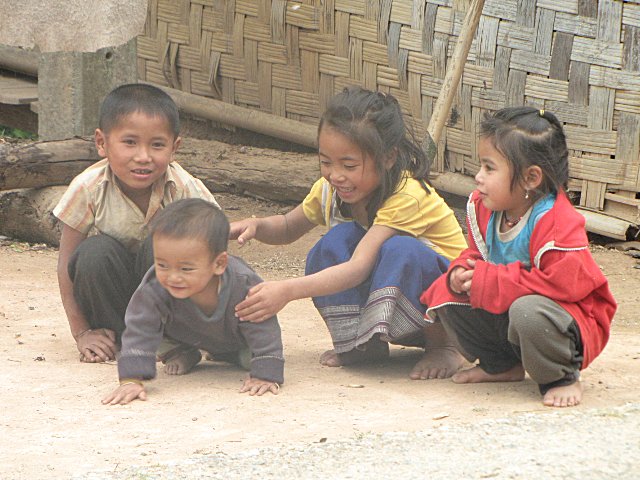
347, 168
139, 149
494, 182
186, 268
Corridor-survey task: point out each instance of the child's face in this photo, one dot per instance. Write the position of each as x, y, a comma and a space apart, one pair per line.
343, 164
186, 269
139, 149
494, 181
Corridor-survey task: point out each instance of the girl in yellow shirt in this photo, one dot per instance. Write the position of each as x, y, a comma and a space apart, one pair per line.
390, 236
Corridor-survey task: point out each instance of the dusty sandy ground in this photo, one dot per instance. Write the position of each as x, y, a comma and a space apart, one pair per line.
53, 424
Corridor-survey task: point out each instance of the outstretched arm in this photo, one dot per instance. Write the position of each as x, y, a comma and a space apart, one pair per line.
268, 298
274, 230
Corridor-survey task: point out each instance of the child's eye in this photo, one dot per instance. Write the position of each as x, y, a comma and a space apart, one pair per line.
158, 145
324, 163
129, 141
161, 266
350, 167
187, 269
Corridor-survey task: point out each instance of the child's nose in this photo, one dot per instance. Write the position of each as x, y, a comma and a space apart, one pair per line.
337, 175
142, 155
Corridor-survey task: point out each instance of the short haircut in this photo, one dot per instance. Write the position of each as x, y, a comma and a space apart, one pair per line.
138, 97
194, 218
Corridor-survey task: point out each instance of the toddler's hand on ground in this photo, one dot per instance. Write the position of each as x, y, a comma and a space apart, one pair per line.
243, 230
263, 302
97, 346
124, 394
257, 386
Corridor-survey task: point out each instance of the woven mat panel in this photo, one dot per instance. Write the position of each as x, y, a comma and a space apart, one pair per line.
577, 58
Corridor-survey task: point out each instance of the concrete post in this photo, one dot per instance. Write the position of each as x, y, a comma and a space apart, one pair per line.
71, 86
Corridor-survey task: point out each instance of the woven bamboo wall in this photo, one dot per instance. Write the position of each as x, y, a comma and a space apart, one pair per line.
577, 58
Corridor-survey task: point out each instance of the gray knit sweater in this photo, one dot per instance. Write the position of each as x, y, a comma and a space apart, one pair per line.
152, 311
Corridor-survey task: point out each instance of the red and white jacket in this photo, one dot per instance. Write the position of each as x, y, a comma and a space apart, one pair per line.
562, 269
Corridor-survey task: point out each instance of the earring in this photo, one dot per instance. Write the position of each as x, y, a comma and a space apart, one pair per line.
526, 194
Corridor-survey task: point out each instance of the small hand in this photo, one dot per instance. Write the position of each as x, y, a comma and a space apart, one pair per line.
257, 386
124, 394
97, 345
263, 301
243, 230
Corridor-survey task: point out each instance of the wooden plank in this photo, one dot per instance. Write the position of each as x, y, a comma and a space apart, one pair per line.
592, 195
526, 15
515, 87
609, 20
601, 104
588, 8
628, 146
487, 37
631, 50
579, 83
544, 31
17, 91
561, 56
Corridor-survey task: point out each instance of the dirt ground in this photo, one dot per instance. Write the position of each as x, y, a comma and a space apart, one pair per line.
54, 426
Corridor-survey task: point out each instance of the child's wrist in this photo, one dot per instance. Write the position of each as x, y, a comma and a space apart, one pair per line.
130, 381
78, 336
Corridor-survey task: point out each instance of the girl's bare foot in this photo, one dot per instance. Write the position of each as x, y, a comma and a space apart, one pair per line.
564, 396
477, 375
183, 362
330, 359
371, 351
438, 362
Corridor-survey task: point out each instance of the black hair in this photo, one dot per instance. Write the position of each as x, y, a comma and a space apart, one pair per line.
527, 136
138, 97
194, 218
374, 122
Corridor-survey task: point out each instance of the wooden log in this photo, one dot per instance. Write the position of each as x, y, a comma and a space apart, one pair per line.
19, 60
222, 167
26, 215
42, 164
259, 172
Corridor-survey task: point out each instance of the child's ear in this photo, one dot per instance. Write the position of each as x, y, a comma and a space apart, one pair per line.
220, 263
390, 159
533, 177
176, 144
100, 140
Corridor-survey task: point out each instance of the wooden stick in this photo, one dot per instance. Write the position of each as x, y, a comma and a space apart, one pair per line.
453, 75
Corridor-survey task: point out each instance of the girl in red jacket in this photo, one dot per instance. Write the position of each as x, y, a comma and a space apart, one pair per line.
527, 294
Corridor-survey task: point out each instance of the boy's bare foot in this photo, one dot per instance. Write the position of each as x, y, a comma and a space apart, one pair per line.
371, 351
478, 375
182, 362
438, 362
564, 396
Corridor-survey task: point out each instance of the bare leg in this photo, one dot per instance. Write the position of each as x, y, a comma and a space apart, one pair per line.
478, 375
564, 396
441, 358
183, 362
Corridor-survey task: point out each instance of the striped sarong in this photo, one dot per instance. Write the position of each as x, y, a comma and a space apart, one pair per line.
387, 303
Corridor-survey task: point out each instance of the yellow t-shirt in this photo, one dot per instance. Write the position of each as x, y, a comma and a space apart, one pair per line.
94, 200
411, 210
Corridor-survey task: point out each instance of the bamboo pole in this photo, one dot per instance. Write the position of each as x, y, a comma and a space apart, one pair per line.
248, 119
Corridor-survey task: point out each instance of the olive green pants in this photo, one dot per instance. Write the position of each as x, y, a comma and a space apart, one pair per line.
536, 332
